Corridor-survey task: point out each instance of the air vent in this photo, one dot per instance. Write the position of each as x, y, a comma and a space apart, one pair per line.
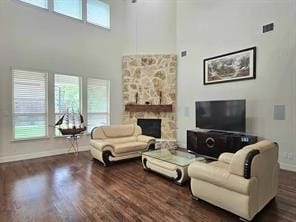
183, 53
268, 27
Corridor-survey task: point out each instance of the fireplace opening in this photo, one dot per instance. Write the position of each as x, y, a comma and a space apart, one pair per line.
150, 127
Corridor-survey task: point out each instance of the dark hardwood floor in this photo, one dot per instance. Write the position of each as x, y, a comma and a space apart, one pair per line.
69, 188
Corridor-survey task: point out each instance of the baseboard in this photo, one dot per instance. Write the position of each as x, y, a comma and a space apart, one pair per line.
287, 166
39, 154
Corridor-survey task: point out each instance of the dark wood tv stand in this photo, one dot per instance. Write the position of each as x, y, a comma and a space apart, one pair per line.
212, 143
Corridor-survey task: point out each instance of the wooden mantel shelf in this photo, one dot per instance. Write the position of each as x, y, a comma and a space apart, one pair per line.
148, 108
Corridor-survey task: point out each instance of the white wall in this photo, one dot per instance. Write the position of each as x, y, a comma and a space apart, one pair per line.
209, 28
35, 39
32, 38
150, 27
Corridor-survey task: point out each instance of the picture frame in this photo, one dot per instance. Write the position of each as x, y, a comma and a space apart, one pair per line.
234, 66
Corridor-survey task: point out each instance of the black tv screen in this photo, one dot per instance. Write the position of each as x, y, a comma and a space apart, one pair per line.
228, 115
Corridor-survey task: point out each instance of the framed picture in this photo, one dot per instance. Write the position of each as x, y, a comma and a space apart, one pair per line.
234, 66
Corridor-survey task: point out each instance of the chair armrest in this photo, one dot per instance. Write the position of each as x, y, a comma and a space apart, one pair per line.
226, 157
100, 144
221, 177
145, 139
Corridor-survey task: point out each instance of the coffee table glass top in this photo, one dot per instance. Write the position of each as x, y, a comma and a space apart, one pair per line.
177, 157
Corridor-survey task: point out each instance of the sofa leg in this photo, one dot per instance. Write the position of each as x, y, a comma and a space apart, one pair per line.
106, 155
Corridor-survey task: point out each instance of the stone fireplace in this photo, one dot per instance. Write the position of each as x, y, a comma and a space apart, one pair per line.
150, 79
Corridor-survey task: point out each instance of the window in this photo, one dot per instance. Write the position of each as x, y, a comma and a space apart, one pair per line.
72, 8
89, 11
29, 104
97, 103
98, 13
39, 3
67, 98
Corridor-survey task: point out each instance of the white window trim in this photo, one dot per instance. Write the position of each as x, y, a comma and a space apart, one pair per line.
50, 9
13, 139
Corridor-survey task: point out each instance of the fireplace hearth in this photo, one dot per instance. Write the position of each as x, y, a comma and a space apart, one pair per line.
150, 127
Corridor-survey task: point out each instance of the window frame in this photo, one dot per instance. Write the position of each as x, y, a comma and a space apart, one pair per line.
46, 114
80, 78
108, 102
50, 9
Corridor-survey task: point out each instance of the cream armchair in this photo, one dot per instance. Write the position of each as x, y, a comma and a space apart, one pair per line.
242, 183
118, 142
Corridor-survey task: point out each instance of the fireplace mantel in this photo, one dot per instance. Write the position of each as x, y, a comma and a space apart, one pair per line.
148, 108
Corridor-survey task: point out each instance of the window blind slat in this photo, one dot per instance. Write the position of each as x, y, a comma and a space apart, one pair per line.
97, 103
29, 104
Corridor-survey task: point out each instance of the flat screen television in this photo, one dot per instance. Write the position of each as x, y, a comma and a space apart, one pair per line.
228, 115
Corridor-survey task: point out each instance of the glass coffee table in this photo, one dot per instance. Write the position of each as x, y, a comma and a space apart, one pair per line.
172, 163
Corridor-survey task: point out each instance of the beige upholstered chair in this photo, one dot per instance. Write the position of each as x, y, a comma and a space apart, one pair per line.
242, 183
118, 142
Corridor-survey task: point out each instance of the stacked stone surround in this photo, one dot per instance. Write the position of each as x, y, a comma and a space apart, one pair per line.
147, 76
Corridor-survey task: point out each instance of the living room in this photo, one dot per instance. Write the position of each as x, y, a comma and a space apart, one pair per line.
38, 39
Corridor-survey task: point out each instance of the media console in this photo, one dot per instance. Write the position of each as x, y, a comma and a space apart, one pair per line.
212, 143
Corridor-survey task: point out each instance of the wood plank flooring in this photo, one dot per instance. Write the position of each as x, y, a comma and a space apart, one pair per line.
69, 188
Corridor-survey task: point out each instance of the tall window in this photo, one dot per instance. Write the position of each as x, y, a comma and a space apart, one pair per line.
67, 98
97, 103
29, 104
39, 3
98, 13
72, 8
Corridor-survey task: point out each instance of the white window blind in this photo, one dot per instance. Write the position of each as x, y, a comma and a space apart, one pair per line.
29, 104
72, 8
39, 3
67, 98
98, 13
97, 103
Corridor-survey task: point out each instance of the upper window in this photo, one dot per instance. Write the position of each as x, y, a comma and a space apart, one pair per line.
39, 3
97, 103
29, 104
67, 98
89, 11
72, 8
98, 13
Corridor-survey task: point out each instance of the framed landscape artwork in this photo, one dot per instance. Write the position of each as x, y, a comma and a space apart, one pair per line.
234, 66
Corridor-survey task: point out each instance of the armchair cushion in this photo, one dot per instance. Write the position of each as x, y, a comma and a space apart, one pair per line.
145, 139
226, 157
120, 140
129, 147
221, 177
119, 130
100, 144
